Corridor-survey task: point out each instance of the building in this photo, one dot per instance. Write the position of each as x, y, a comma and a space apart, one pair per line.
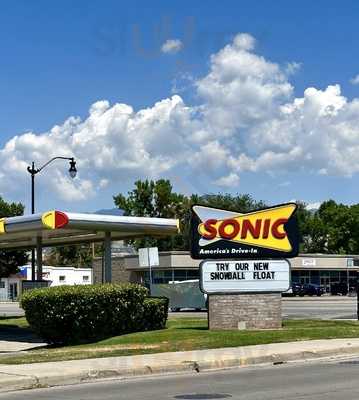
321, 269
10, 288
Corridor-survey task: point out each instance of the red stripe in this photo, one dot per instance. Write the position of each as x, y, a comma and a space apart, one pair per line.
61, 219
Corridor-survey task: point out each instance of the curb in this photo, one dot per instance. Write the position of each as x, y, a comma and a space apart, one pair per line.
319, 299
194, 363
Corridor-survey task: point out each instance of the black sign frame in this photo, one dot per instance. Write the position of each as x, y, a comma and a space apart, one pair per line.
222, 249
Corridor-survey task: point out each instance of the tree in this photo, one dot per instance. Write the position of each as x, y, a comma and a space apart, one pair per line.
312, 230
333, 228
156, 199
71, 255
10, 260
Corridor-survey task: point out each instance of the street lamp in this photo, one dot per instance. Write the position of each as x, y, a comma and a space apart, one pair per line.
33, 171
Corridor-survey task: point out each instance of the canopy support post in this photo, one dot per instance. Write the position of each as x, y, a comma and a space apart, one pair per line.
39, 257
108, 258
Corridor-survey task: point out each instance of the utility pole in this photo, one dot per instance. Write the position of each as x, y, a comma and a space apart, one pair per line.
33, 171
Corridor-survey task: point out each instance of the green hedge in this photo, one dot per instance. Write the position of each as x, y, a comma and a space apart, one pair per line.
74, 314
155, 313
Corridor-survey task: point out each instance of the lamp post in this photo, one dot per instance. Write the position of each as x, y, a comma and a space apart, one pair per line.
33, 171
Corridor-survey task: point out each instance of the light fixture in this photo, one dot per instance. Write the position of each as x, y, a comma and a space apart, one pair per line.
72, 170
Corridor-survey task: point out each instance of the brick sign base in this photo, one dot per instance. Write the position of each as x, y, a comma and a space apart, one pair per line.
245, 311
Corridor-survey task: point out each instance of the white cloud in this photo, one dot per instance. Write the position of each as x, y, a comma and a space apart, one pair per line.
103, 183
248, 119
172, 46
292, 68
229, 181
284, 184
355, 80
313, 206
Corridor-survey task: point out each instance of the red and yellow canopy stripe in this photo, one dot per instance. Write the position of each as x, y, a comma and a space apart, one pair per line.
54, 219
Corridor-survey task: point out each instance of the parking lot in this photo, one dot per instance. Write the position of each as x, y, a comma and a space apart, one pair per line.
325, 307
10, 309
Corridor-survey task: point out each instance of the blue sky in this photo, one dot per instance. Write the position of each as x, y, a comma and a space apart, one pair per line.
59, 58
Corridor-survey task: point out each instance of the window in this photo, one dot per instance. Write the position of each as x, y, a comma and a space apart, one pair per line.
62, 278
85, 278
2, 285
193, 274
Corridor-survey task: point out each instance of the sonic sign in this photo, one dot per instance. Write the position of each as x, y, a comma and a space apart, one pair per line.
265, 233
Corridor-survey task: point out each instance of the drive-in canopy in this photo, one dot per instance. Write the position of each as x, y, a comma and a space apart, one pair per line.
60, 228
54, 228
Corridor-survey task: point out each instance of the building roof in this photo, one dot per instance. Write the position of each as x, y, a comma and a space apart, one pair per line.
60, 228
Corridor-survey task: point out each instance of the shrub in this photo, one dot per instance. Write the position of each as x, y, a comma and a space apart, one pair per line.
73, 314
155, 313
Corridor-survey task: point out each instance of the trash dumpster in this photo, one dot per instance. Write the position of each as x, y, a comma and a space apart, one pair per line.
184, 294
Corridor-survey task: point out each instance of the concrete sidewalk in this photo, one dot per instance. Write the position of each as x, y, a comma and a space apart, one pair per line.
26, 376
323, 298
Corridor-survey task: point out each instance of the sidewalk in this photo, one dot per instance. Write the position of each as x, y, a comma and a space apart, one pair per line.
320, 298
26, 376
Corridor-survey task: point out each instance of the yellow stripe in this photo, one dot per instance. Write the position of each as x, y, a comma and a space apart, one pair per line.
48, 220
271, 242
2, 225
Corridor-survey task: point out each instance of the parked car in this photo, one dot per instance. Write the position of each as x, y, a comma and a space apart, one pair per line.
294, 290
310, 289
339, 288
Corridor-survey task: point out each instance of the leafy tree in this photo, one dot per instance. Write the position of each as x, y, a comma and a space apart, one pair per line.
10, 260
333, 228
156, 199
73, 255
242, 203
312, 231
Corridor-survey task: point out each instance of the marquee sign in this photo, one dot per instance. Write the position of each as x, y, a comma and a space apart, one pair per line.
244, 276
265, 233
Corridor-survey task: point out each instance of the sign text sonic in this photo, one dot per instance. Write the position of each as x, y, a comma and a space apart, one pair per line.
270, 232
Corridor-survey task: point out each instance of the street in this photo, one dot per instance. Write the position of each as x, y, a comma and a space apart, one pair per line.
329, 380
10, 310
326, 307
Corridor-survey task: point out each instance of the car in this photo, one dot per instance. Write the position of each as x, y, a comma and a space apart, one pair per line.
339, 288
294, 290
311, 289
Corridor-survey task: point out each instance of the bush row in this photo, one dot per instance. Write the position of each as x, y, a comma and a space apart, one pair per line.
75, 314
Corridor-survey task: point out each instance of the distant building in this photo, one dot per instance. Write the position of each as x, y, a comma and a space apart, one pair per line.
10, 288
321, 269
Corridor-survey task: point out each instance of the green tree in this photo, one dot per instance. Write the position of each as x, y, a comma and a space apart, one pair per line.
313, 234
341, 223
333, 228
73, 255
10, 260
156, 199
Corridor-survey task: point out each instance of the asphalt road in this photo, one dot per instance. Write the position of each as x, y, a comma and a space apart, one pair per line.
326, 307
10, 310
329, 380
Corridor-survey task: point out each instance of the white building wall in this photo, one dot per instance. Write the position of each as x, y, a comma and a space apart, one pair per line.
10, 288
64, 275
4, 287
57, 275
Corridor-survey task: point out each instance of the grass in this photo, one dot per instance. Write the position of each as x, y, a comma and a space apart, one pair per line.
183, 334
13, 322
